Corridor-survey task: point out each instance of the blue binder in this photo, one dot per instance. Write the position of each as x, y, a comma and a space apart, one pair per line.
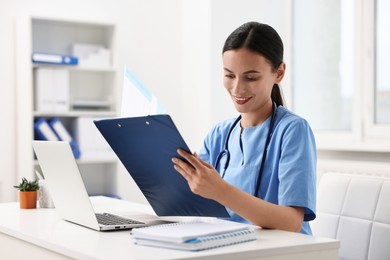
43, 131
145, 146
48, 58
63, 135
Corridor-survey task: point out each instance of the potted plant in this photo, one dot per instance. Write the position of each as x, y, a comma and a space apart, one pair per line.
28, 193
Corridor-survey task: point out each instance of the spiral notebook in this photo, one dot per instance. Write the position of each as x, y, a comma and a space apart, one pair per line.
194, 236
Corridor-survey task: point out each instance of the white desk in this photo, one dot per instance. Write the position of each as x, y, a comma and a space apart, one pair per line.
40, 233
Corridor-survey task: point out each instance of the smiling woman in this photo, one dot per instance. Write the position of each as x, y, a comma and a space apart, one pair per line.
262, 165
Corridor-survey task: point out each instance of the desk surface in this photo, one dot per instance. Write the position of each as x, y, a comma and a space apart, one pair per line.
44, 231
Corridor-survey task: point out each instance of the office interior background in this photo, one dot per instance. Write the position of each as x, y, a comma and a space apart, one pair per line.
337, 72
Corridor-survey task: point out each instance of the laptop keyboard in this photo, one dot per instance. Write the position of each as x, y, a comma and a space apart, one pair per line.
110, 219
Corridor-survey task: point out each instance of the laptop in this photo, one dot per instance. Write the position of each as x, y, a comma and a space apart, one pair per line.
69, 194
145, 145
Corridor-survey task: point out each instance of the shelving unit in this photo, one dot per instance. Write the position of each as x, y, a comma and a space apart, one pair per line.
92, 92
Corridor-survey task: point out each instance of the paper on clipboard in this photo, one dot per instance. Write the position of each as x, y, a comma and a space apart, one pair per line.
137, 100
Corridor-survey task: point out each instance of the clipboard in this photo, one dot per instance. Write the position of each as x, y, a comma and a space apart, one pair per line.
145, 146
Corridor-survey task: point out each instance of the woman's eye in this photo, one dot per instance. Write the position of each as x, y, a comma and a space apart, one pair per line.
251, 78
230, 76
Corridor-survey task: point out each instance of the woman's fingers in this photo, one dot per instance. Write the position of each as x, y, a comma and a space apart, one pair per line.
203, 162
201, 177
190, 159
182, 168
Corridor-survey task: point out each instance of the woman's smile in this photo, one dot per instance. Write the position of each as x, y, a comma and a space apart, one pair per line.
241, 100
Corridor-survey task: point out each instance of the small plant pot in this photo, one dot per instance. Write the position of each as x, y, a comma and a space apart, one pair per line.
28, 199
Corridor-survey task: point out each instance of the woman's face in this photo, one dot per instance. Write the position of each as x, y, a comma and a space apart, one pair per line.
249, 78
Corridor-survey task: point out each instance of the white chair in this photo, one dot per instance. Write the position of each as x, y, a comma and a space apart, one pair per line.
355, 210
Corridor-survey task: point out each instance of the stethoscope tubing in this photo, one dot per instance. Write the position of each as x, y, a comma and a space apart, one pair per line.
264, 156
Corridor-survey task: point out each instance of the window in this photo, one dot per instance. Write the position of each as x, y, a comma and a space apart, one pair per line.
341, 79
323, 63
382, 82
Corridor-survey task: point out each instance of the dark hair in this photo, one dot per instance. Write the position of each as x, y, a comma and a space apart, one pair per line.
263, 39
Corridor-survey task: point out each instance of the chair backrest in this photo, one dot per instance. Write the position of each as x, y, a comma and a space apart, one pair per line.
355, 209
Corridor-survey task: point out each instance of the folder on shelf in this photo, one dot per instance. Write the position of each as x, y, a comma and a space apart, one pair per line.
194, 236
51, 90
43, 131
91, 143
92, 55
61, 90
60, 59
63, 135
44, 90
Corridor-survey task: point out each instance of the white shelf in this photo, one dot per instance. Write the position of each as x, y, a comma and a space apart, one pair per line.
86, 113
76, 68
90, 103
93, 93
86, 161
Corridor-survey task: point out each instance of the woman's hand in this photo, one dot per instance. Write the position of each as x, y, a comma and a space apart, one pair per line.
202, 178
205, 181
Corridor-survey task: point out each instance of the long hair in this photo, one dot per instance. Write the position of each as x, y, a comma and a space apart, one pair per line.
263, 39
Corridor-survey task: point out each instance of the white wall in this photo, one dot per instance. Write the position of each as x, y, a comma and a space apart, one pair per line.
172, 46
7, 97
227, 15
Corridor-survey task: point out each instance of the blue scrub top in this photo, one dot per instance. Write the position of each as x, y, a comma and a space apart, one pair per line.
289, 175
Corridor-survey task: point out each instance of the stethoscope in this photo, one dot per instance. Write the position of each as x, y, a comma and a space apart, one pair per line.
226, 152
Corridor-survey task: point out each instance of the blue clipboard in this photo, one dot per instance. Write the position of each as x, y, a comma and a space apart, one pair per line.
145, 146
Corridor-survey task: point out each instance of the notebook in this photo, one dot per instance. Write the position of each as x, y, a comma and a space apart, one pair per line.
145, 146
69, 194
194, 236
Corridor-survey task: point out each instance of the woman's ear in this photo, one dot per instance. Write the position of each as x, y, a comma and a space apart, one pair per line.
280, 73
